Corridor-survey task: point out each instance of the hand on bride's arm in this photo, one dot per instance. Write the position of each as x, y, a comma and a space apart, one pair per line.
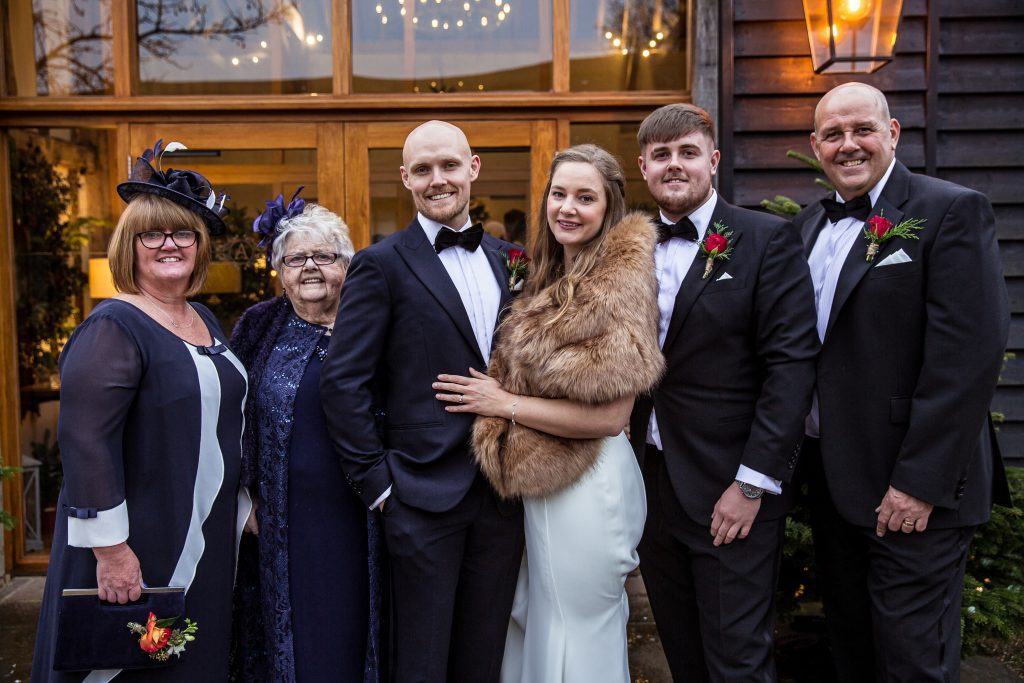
483, 395
478, 394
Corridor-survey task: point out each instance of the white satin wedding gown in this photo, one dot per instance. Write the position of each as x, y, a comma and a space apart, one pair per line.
569, 618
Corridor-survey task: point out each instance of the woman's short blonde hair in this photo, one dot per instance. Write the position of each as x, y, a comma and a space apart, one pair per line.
149, 212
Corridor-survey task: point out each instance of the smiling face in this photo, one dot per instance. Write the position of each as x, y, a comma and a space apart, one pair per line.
166, 269
576, 204
438, 168
854, 138
310, 284
678, 173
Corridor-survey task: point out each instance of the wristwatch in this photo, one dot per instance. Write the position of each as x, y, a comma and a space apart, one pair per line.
749, 490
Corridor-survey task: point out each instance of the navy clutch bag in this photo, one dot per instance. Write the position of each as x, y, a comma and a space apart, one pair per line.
92, 634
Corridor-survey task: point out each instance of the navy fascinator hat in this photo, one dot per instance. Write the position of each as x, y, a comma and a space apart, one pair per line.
186, 188
268, 223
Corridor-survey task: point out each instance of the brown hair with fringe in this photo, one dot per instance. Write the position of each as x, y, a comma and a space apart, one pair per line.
672, 122
548, 267
149, 212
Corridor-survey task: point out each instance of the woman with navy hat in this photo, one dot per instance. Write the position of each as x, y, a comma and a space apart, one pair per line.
150, 425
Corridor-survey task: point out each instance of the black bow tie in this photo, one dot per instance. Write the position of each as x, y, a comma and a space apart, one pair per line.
683, 229
468, 239
858, 207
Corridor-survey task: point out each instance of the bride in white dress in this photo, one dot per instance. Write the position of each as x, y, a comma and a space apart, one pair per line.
576, 348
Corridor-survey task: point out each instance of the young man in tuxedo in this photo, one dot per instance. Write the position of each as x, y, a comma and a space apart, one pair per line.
901, 459
423, 302
718, 438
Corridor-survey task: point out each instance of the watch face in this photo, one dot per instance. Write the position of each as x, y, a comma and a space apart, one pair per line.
749, 490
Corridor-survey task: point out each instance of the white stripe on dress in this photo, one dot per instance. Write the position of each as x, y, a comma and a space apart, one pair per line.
209, 478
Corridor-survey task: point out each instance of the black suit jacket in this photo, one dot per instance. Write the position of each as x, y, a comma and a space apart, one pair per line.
911, 356
400, 323
740, 356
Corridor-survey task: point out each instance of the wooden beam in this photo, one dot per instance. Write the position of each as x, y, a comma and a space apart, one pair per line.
10, 401
341, 46
545, 137
560, 57
727, 90
356, 183
124, 23
226, 135
931, 107
330, 167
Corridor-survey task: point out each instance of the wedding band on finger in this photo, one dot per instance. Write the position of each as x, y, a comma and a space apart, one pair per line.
908, 522
462, 398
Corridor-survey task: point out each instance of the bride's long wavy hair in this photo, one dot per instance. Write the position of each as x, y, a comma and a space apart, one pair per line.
548, 267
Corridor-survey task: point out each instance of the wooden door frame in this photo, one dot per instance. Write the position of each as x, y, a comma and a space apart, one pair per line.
540, 136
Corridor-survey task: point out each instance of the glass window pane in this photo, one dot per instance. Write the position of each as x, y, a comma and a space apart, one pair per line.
620, 140
500, 195
628, 45
59, 47
228, 47
438, 46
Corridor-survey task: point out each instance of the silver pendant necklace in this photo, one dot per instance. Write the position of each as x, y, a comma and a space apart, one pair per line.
167, 316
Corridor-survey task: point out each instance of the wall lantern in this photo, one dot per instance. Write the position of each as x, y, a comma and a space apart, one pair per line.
851, 36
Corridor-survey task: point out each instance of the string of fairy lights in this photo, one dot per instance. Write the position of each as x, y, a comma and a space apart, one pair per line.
444, 15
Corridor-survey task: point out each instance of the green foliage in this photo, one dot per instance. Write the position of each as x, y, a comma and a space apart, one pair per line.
47, 243
783, 205
993, 594
993, 597
7, 520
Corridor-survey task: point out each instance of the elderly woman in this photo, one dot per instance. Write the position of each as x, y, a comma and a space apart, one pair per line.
150, 425
309, 599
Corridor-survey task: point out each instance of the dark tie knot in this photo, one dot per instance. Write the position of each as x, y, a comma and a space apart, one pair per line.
683, 229
858, 207
468, 239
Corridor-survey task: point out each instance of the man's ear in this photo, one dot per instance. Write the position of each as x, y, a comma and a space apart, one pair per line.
643, 165
814, 146
405, 177
474, 167
716, 156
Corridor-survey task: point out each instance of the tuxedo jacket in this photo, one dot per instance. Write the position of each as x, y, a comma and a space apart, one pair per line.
911, 356
740, 353
400, 324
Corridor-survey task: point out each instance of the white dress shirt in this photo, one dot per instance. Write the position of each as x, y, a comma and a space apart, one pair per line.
473, 277
826, 261
672, 260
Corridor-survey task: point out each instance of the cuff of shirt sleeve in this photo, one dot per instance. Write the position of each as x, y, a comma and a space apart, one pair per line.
381, 498
755, 478
108, 527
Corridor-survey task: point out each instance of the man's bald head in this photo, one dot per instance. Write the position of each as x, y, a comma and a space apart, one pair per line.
436, 131
438, 168
848, 92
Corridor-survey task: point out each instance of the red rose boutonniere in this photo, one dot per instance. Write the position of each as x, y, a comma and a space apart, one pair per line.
717, 246
159, 640
518, 264
880, 230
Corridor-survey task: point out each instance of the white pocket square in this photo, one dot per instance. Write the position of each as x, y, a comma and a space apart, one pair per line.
723, 276
894, 258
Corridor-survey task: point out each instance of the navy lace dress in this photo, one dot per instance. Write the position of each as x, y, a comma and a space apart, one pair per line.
150, 437
309, 595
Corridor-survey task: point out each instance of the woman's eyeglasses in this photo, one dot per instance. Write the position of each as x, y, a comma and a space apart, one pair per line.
154, 239
320, 258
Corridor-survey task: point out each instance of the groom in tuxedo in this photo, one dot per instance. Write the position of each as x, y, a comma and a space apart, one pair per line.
718, 437
901, 460
423, 302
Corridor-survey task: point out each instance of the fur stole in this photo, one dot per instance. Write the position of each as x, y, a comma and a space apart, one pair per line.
602, 348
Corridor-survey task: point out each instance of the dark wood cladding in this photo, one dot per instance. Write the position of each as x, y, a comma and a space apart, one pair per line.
957, 88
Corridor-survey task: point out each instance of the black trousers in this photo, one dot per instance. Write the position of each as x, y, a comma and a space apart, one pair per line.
453, 578
892, 604
714, 607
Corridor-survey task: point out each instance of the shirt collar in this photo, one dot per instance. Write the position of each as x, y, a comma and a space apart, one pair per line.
431, 227
700, 217
875, 191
